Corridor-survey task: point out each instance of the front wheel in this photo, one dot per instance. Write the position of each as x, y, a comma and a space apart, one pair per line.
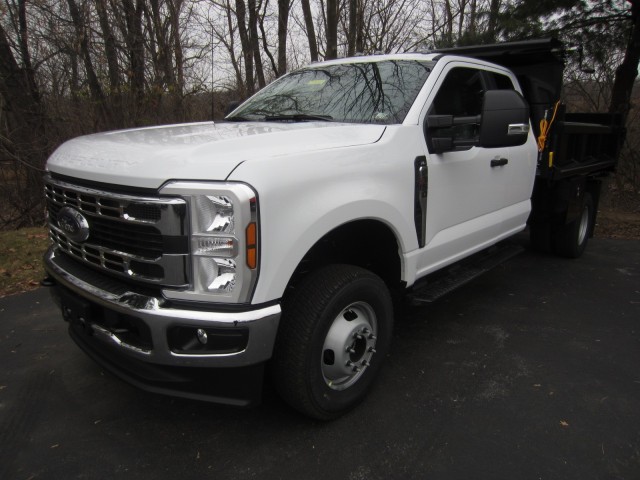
571, 240
334, 335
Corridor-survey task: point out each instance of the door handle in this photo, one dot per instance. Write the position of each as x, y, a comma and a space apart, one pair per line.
499, 162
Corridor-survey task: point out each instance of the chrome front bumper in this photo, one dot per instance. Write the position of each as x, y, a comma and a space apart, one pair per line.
160, 316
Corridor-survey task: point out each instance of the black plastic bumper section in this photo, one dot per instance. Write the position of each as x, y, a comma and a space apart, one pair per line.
238, 386
241, 386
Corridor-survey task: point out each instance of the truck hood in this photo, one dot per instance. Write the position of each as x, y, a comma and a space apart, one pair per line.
148, 157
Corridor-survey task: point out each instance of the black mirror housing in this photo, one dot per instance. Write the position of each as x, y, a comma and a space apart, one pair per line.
436, 142
505, 119
441, 144
440, 121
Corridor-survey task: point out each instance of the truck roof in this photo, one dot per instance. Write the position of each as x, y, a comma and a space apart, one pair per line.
538, 64
420, 56
513, 54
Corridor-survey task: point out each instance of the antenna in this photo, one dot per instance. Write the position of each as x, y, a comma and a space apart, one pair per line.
213, 103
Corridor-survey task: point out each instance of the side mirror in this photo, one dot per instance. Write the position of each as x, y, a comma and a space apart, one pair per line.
505, 119
439, 142
443, 132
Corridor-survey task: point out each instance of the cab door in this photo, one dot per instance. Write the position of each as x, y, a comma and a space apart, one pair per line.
522, 162
466, 183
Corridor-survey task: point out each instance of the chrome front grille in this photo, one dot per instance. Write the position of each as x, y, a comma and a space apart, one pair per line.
140, 238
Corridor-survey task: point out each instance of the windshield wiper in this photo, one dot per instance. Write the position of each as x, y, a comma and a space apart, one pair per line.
298, 117
238, 118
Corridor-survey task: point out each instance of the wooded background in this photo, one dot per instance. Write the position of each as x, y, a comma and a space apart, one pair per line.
70, 67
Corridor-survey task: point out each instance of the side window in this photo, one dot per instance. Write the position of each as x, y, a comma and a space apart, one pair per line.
501, 82
461, 95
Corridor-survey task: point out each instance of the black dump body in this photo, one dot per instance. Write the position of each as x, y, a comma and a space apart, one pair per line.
580, 148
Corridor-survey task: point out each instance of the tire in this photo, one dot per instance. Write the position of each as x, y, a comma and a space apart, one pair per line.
571, 240
334, 335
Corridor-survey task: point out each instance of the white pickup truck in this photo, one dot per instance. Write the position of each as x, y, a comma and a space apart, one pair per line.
186, 258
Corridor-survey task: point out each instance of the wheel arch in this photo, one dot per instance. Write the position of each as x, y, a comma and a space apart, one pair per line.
367, 243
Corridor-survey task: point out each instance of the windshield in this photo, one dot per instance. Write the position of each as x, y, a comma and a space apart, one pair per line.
374, 92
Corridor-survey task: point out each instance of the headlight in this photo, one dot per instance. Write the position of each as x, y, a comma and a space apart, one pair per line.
224, 241
213, 213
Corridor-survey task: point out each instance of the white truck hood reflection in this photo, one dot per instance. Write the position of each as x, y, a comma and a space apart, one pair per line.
148, 157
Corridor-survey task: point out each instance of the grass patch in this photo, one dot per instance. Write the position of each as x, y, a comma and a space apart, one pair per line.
21, 254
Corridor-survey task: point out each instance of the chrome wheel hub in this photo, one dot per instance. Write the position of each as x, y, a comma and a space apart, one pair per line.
584, 225
349, 346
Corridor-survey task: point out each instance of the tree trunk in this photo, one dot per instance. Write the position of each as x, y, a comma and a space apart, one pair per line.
164, 64
627, 72
283, 23
24, 50
332, 30
472, 20
111, 53
448, 35
22, 105
177, 89
352, 33
254, 41
74, 79
230, 44
92, 79
360, 27
311, 31
462, 6
494, 11
175, 7
134, 40
23, 138
247, 52
110, 48
265, 45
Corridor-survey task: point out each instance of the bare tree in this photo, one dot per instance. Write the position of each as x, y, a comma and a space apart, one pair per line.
494, 11
24, 138
111, 53
332, 29
254, 41
311, 31
247, 50
627, 71
134, 40
80, 24
283, 22
102, 64
352, 31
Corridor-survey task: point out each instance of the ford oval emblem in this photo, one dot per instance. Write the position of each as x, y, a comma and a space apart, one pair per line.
73, 224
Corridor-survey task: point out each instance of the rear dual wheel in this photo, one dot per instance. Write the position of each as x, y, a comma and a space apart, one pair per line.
568, 240
334, 335
571, 240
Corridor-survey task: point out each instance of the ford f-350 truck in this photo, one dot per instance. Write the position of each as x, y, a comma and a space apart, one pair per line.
186, 258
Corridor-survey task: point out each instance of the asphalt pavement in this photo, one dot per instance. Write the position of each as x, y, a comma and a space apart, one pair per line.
531, 371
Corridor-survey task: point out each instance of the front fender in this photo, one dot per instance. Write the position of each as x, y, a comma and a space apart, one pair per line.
303, 199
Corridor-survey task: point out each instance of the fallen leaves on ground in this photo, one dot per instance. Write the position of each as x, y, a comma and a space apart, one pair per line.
21, 267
